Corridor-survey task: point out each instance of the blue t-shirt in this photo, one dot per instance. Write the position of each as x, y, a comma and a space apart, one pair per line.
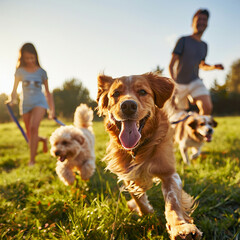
191, 52
32, 94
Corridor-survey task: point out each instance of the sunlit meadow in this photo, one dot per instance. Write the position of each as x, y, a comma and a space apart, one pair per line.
35, 204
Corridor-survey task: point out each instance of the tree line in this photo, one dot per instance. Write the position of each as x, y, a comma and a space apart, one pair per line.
226, 97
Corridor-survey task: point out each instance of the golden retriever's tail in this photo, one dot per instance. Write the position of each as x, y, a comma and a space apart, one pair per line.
83, 117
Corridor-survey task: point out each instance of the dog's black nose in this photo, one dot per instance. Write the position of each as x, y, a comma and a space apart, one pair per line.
129, 107
57, 153
210, 131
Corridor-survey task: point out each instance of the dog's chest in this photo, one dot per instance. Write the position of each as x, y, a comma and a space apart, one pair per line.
191, 143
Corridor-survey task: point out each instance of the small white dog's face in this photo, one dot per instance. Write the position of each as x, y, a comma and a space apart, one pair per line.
203, 125
66, 143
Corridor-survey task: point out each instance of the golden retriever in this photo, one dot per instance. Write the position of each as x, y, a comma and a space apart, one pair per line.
141, 145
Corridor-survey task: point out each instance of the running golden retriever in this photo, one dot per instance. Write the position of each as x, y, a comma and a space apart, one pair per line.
141, 145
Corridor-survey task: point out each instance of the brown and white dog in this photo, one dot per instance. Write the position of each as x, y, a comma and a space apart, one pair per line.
192, 133
141, 145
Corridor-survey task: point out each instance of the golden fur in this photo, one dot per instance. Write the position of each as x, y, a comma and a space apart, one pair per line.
138, 156
74, 147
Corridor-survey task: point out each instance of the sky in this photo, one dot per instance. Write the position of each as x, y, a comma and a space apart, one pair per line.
82, 38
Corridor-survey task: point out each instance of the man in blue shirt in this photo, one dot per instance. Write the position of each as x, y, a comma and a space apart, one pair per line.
189, 54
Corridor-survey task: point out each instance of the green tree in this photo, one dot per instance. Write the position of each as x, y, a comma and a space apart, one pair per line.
158, 70
233, 78
68, 97
220, 89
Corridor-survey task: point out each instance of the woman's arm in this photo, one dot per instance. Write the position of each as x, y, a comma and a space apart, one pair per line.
49, 97
13, 98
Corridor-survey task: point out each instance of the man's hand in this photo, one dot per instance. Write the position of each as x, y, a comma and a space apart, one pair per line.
219, 66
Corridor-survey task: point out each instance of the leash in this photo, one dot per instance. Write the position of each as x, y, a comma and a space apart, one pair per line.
59, 122
18, 124
185, 118
16, 121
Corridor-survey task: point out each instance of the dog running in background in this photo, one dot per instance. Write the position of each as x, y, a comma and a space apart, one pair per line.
192, 133
74, 147
141, 145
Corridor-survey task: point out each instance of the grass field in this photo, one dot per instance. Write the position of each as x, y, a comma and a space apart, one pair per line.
34, 203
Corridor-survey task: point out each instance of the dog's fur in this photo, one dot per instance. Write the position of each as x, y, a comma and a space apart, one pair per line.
74, 147
192, 133
141, 145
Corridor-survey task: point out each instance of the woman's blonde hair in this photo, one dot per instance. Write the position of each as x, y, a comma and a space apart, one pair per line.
27, 47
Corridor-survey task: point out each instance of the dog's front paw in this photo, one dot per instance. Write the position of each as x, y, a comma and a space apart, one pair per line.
185, 231
133, 207
87, 170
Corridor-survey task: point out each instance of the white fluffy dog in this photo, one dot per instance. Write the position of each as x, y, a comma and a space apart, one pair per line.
74, 147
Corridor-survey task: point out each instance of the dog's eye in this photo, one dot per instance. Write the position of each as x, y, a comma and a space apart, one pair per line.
116, 94
64, 142
202, 124
142, 92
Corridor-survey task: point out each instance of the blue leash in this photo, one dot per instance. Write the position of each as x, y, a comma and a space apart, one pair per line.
20, 127
59, 122
16, 121
176, 122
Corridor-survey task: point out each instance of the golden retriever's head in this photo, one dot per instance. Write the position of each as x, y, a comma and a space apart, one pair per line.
202, 126
130, 101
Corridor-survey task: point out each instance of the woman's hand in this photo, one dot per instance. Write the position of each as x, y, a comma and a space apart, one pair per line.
51, 114
11, 102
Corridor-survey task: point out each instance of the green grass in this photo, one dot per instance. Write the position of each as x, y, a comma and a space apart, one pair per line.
35, 204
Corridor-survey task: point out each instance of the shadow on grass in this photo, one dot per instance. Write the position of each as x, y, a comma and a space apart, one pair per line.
9, 164
16, 193
7, 146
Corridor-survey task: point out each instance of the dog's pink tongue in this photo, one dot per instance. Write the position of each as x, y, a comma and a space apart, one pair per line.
209, 138
129, 135
62, 158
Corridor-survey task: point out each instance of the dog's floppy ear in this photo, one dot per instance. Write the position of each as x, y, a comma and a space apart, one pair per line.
214, 123
104, 83
162, 88
192, 123
78, 137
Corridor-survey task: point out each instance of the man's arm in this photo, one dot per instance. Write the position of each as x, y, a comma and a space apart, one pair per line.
206, 67
174, 59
